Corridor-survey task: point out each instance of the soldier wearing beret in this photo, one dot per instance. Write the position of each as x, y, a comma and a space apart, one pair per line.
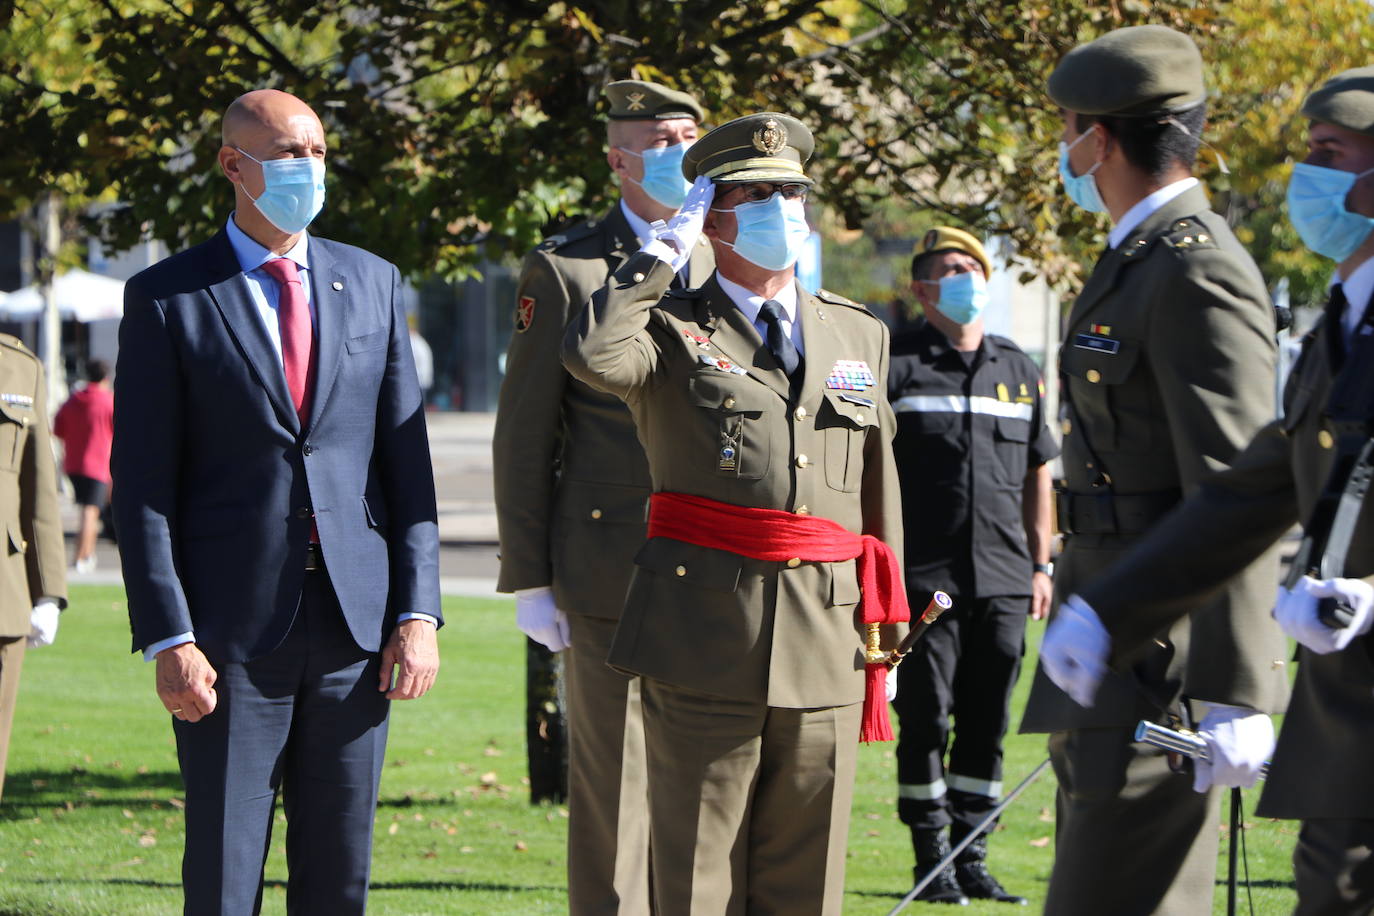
1322, 765
763, 413
1168, 368
972, 449
571, 487
35, 584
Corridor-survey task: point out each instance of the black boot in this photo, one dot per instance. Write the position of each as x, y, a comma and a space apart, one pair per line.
932, 846
971, 870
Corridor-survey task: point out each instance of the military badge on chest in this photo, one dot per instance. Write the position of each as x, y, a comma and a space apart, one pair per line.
850, 375
731, 432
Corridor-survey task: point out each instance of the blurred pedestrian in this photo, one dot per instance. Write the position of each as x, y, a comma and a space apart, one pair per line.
85, 424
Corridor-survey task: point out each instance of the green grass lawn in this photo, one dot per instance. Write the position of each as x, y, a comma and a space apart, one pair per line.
91, 819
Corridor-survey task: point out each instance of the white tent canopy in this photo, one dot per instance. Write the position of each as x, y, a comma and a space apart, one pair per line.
81, 295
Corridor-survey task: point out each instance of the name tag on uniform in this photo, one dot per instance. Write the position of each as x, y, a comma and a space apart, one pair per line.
1096, 342
17, 400
855, 399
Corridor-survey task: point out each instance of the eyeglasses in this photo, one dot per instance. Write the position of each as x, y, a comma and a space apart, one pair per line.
761, 191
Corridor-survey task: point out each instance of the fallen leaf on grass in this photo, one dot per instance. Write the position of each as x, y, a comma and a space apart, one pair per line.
393, 828
147, 841
1041, 843
520, 846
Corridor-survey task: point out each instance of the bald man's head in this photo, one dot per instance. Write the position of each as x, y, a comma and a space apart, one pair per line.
261, 110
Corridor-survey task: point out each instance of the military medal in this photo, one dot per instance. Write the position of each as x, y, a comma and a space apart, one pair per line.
729, 448
723, 365
702, 342
850, 375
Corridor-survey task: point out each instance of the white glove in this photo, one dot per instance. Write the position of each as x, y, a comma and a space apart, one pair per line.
673, 241
1296, 612
1239, 741
892, 684
43, 622
1075, 649
540, 619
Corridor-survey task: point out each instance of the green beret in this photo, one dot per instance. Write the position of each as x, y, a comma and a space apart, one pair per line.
948, 238
1137, 72
757, 147
1346, 100
636, 100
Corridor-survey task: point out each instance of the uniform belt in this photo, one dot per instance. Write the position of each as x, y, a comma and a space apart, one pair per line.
1107, 512
314, 558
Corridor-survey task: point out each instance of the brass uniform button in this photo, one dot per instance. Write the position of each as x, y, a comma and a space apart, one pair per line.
1325, 439
799, 413
596, 513
638, 277
1066, 426
802, 461
681, 570
1094, 376
794, 563
803, 510
729, 402
859, 418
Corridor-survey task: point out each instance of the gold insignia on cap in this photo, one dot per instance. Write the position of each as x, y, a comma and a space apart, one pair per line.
771, 138
635, 100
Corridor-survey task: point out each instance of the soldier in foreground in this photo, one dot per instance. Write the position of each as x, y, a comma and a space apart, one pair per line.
571, 487
1168, 366
1320, 772
763, 413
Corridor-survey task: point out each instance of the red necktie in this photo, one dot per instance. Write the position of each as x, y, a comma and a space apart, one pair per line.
297, 337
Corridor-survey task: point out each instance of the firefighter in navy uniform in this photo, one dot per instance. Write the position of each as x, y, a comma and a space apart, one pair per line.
972, 449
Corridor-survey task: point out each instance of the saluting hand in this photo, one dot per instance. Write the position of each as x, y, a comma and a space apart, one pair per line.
681, 232
185, 682
410, 661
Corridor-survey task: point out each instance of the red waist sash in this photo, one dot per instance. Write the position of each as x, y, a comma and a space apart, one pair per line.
772, 535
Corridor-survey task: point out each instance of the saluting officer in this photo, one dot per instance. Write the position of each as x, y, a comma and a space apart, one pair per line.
763, 413
972, 449
571, 487
34, 585
1168, 367
1321, 769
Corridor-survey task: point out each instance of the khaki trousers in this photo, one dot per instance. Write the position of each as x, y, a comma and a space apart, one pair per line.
1132, 838
11, 660
749, 804
608, 794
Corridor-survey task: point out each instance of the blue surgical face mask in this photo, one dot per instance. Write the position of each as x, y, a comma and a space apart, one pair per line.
293, 191
770, 233
663, 178
1082, 189
962, 296
1316, 207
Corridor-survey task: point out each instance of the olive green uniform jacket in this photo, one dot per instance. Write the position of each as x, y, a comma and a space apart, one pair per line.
1168, 361
697, 377
571, 478
1324, 759
35, 565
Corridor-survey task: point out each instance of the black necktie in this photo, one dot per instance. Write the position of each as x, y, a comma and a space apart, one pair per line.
1335, 327
779, 342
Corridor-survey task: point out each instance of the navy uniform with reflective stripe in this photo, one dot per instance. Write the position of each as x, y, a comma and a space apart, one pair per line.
970, 426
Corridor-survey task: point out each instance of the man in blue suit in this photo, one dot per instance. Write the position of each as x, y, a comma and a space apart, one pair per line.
275, 506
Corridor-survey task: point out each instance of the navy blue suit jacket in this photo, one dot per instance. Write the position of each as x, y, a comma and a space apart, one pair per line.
215, 479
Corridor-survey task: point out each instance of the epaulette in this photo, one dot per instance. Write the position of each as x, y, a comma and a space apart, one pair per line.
14, 343
826, 295
1188, 234
574, 233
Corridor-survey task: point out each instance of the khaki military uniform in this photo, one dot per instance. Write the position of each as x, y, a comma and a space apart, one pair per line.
34, 563
571, 486
1168, 362
1320, 771
753, 671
